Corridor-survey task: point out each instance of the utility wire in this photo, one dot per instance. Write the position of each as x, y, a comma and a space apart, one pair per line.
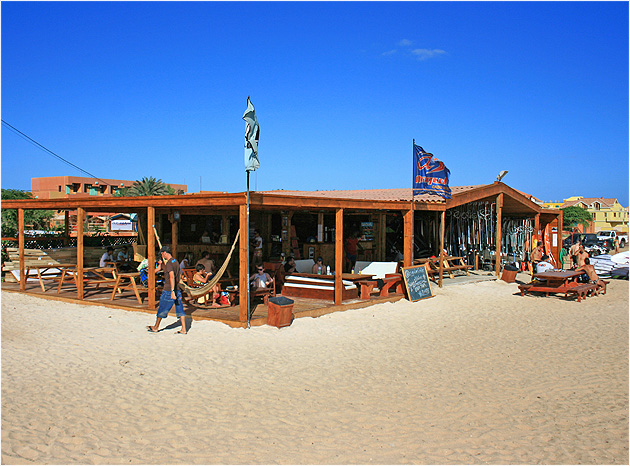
37, 144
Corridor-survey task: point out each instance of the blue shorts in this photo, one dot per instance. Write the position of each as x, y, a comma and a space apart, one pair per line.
166, 303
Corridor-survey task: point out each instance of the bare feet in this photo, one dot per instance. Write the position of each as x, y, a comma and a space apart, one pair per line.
183, 332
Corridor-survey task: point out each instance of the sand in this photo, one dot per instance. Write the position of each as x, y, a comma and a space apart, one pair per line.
475, 375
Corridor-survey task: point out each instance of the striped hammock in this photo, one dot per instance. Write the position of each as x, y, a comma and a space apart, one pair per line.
205, 289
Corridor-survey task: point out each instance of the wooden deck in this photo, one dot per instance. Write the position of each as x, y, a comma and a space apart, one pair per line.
228, 315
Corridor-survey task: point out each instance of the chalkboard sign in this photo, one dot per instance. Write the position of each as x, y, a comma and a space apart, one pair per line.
417, 282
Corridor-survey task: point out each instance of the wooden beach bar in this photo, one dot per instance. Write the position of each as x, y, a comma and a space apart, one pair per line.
302, 224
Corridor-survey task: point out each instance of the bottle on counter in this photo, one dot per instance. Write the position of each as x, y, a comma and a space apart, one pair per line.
328, 270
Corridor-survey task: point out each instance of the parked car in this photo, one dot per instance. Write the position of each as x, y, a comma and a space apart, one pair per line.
609, 235
571, 240
592, 245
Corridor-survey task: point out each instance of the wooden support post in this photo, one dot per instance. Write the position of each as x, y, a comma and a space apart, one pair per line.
174, 242
442, 230
559, 220
339, 257
320, 221
243, 262
21, 249
225, 226
79, 275
408, 238
497, 267
382, 236
66, 228
151, 255
536, 228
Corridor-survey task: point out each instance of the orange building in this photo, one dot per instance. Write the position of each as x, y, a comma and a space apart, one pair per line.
57, 187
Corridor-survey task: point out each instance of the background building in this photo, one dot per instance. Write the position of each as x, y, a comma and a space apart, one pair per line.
56, 187
607, 213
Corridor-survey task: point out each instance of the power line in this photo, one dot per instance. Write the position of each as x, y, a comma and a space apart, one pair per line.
38, 145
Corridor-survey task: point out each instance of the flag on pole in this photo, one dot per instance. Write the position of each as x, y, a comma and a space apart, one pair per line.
430, 176
252, 133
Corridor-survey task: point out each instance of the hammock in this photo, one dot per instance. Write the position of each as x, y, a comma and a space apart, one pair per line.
205, 289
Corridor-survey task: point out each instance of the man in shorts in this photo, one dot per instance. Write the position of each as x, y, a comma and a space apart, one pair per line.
591, 275
171, 294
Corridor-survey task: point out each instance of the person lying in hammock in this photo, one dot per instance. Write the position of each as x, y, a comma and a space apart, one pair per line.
200, 278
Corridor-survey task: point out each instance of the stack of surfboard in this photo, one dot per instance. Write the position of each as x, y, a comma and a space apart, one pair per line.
607, 266
622, 261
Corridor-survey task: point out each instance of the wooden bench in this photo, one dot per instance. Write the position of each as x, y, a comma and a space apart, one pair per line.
582, 290
366, 288
390, 281
601, 286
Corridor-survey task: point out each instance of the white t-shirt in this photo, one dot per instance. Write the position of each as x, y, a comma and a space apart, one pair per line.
105, 258
544, 267
258, 241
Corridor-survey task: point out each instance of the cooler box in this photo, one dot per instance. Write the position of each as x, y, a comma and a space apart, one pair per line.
280, 311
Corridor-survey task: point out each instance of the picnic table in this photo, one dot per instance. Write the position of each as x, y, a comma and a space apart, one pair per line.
47, 272
558, 281
127, 281
91, 276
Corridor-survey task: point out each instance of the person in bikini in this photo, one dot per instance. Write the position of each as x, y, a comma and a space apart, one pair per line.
200, 278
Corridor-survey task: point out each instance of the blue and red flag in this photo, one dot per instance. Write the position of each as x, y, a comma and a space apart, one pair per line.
430, 176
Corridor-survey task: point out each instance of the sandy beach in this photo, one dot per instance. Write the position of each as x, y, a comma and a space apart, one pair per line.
475, 375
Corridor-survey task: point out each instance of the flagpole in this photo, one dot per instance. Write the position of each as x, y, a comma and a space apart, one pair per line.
247, 267
413, 202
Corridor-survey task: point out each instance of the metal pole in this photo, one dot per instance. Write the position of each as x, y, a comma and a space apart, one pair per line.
249, 304
413, 203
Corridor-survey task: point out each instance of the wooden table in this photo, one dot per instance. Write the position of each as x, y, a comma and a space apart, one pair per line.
127, 281
44, 272
556, 281
91, 276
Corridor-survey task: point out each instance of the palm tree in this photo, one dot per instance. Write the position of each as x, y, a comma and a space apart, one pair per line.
148, 187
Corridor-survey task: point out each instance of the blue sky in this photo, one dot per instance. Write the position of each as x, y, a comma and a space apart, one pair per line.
126, 90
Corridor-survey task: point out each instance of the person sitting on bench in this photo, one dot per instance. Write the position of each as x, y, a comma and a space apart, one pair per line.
261, 279
200, 278
591, 275
544, 265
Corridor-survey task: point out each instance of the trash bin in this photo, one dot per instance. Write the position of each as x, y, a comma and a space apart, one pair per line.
509, 273
280, 311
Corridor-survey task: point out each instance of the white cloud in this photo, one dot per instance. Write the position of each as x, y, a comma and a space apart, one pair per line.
424, 54
390, 52
405, 43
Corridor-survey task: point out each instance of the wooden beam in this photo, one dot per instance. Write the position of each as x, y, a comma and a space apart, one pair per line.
536, 228
66, 228
320, 221
338, 256
442, 230
382, 236
151, 255
408, 238
79, 274
497, 267
174, 233
243, 264
21, 249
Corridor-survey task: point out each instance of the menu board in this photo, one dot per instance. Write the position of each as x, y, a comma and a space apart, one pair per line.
417, 282
367, 231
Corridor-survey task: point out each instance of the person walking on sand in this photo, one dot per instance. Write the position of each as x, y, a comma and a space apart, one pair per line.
171, 294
